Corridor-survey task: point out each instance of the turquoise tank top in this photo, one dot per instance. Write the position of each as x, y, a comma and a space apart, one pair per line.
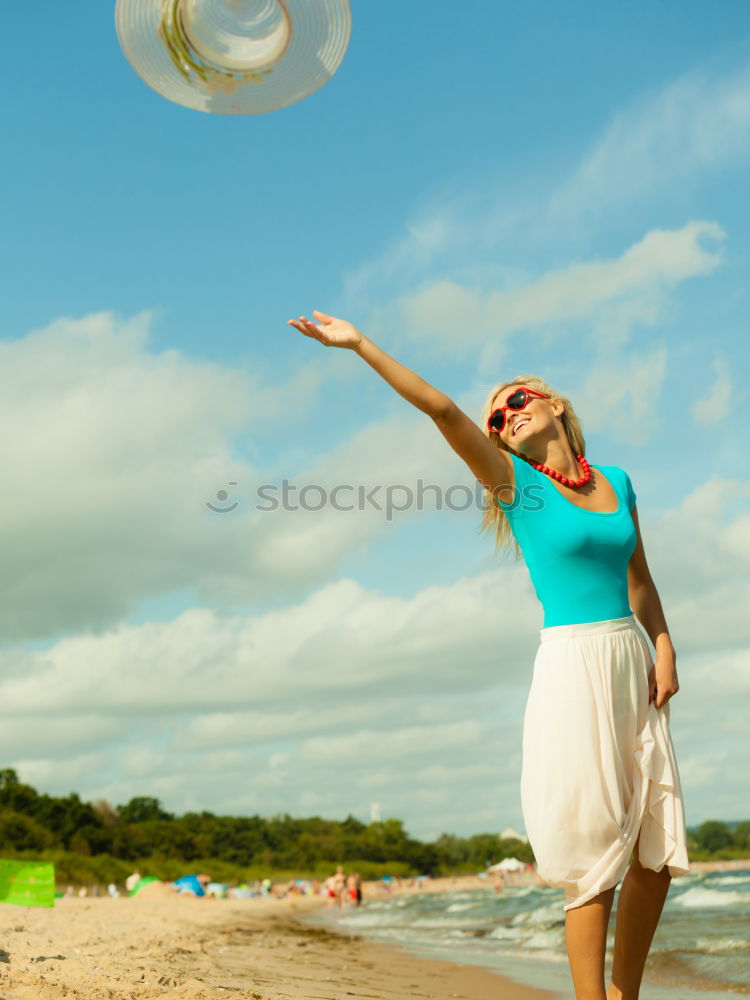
577, 559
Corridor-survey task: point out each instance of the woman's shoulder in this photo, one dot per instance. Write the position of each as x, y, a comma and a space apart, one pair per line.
524, 475
620, 481
522, 471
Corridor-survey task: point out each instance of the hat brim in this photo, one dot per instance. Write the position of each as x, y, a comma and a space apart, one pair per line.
152, 37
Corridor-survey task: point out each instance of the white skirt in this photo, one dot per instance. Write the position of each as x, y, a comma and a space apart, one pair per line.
598, 761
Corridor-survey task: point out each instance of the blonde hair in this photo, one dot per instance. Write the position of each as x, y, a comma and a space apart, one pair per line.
494, 516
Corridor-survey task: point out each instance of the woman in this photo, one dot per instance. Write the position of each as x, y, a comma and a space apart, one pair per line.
599, 779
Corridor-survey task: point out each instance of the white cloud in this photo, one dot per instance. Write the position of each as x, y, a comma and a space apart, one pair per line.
313, 708
709, 519
418, 769
203, 661
708, 720
408, 254
300, 721
68, 735
409, 742
478, 235
616, 294
715, 401
116, 452
351, 696
621, 394
695, 124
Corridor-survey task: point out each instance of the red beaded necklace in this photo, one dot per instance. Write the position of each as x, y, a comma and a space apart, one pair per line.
574, 483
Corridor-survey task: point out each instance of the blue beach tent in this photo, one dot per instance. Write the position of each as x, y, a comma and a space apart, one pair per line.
189, 883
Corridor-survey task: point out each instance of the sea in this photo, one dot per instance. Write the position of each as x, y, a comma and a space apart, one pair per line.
701, 949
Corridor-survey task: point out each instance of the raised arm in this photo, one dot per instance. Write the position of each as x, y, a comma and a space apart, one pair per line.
492, 467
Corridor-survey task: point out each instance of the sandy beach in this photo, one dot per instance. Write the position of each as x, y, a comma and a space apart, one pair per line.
159, 946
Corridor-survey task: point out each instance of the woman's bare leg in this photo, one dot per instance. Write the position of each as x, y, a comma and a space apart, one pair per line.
586, 940
639, 907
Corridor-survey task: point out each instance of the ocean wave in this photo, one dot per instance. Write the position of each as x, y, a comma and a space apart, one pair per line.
517, 891
461, 897
531, 938
504, 933
369, 919
441, 923
729, 880
698, 970
701, 896
552, 913
545, 940
707, 947
723, 944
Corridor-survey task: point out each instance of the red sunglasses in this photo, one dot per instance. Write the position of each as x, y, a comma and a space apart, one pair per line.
517, 400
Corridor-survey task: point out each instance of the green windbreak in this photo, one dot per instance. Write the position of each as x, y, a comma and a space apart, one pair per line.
27, 883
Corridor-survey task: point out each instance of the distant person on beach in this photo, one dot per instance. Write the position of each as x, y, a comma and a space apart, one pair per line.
353, 889
339, 887
132, 881
335, 888
599, 777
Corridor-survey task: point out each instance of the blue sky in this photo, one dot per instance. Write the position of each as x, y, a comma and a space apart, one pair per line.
515, 189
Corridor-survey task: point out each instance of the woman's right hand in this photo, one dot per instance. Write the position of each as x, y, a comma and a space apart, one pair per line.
328, 330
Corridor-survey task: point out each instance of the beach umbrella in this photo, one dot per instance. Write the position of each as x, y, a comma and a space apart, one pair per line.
234, 57
508, 865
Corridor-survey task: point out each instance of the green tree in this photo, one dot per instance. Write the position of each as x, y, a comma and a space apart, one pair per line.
8, 778
65, 817
741, 835
142, 809
109, 816
21, 833
713, 835
520, 849
15, 795
451, 850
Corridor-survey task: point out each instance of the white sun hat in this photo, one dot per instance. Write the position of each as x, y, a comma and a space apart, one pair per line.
234, 57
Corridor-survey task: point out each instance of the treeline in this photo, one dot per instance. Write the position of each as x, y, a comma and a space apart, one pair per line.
718, 841
141, 834
100, 842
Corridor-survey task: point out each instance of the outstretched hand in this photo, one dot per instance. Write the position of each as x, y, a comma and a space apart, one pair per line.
328, 330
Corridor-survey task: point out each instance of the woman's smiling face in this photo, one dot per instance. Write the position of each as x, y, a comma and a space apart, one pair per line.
538, 415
